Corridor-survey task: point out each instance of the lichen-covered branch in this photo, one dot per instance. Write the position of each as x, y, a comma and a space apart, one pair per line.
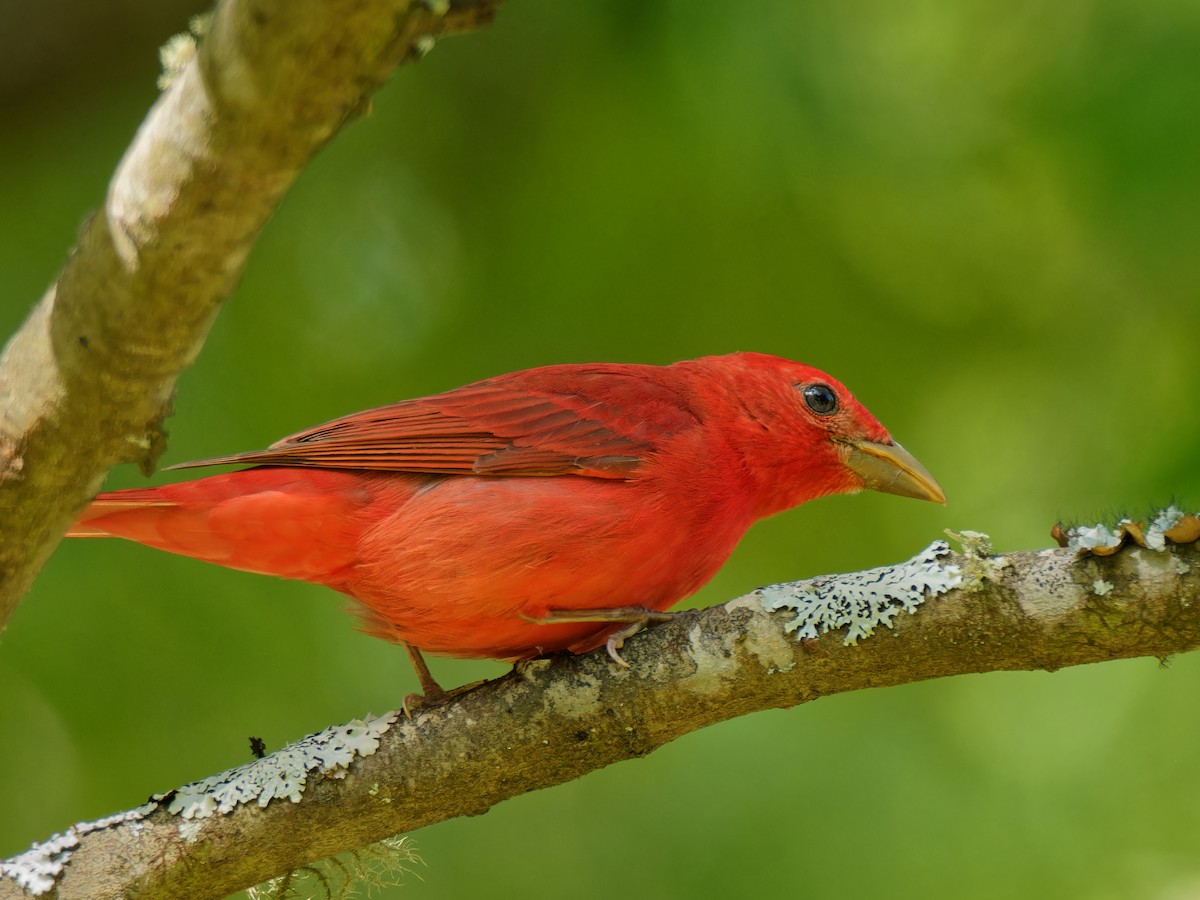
86, 381
551, 721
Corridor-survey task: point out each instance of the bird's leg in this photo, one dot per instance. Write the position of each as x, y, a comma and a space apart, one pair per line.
432, 692
637, 617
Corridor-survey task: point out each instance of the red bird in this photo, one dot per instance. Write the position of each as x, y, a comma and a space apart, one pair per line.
529, 512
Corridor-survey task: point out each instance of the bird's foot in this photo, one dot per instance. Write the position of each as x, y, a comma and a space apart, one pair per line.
635, 617
432, 694
616, 640
433, 699
428, 700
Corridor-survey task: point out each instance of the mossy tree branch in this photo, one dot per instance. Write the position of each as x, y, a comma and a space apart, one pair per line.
552, 721
88, 378
85, 382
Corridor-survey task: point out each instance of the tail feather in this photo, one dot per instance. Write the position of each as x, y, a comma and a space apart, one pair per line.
113, 503
292, 523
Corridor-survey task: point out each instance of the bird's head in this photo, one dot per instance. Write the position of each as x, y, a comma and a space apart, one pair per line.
807, 435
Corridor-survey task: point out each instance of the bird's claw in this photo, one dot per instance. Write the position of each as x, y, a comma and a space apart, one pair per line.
616, 640
428, 700
635, 618
432, 699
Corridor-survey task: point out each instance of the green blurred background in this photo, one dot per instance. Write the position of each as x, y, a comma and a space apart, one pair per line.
983, 217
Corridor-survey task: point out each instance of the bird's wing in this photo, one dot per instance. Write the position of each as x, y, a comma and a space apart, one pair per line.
597, 421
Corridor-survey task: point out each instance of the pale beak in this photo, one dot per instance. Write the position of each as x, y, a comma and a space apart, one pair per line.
893, 470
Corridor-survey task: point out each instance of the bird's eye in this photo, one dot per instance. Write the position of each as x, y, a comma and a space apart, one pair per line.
820, 398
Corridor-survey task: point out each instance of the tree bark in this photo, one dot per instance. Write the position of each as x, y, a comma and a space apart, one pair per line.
85, 384
88, 379
551, 721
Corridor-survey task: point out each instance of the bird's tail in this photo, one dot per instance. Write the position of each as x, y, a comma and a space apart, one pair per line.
96, 521
288, 522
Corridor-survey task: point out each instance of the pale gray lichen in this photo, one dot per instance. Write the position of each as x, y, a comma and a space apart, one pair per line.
280, 774
37, 869
714, 658
174, 56
1162, 523
974, 543
190, 830
1170, 525
575, 699
978, 564
1087, 537
1100, 587
283, 773
762, 639
180, 49
861, 601
130, 817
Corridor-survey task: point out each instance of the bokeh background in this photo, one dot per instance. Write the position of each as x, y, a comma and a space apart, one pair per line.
984, 217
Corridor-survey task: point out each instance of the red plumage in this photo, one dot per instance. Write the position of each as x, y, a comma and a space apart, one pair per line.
455, 519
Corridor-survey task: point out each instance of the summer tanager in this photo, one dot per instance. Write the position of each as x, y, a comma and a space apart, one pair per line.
558, 507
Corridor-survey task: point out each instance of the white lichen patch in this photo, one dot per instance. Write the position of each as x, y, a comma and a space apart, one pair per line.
974, 543
1100, 587
862, 601
283, 773
1089, 537
1048, 592
1153, 566
174, 56
131, 818
715, 661
1167, 526
576, 699
180, 49
1163, 522
979, 563
762, 640
37, 869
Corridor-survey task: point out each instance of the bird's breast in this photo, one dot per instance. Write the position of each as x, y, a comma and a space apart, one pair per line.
461, 565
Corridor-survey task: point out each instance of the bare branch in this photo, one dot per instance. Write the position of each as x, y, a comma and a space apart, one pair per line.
552, 721
87, 380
